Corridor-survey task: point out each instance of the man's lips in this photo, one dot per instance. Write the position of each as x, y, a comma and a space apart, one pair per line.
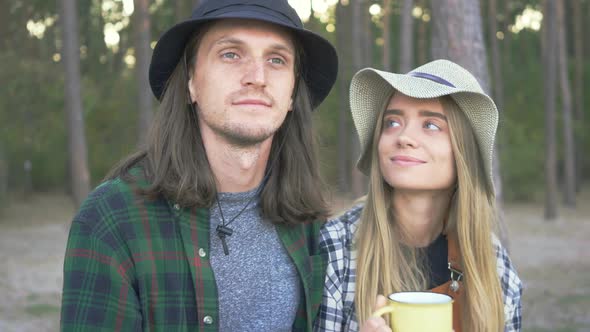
252, 102
407, 161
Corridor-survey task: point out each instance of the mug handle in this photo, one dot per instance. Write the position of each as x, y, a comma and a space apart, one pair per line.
382, 311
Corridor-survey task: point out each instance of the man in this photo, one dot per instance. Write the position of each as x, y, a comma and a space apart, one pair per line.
211, 225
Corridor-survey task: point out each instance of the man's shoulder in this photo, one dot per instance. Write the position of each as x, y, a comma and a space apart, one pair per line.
110, 191
115, 200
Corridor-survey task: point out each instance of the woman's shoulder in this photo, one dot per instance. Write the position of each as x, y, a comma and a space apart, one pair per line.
510, 282
339, 231
344, 225
512, 287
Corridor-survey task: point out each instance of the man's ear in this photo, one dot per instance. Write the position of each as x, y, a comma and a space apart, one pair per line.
191, 91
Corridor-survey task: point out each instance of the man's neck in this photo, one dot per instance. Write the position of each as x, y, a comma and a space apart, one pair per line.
421, 215
236, 168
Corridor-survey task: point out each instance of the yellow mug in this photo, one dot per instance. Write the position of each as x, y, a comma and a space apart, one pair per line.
419, 312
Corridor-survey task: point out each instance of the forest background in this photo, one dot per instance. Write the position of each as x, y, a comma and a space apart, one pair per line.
75, 100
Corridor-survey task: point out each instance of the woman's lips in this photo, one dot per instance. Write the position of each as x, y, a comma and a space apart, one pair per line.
407, 161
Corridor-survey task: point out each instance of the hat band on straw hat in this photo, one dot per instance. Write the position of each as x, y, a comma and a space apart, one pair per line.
433, 78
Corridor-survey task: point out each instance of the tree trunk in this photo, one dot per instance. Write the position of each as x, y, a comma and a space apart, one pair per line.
406, 37
588, 34
422, 36
387, 12
457, 36
180, 11
358, 59
550, 65
80, 178
579, 89
142, 53
507, 36
343, 44
496, 61
368, 40
3, 179
569, 189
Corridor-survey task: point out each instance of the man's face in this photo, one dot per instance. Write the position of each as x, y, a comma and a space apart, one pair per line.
243, 80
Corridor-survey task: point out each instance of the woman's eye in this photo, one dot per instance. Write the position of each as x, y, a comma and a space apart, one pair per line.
391, 123
431, 126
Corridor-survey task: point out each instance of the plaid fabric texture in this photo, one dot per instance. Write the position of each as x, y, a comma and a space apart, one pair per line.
337, 311
138, 265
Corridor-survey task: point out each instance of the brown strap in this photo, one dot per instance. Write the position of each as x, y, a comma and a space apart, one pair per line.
453, 251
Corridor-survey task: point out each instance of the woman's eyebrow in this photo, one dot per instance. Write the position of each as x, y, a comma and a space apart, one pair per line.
425, 113
393, 112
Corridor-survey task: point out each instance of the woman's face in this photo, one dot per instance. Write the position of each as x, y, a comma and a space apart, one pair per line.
415, 145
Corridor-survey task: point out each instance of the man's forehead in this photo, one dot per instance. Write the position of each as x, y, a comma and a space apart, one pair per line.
236, 29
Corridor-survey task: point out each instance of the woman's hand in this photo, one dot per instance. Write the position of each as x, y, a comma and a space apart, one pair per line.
376, 324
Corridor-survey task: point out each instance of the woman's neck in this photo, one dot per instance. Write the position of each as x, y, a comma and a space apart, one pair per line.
420, 215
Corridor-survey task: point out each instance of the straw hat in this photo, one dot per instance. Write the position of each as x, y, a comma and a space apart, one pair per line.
370, 89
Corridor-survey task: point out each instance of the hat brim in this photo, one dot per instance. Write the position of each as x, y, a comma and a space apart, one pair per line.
320, 61
370, 89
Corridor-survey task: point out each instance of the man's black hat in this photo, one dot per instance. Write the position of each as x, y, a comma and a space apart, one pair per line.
319, 59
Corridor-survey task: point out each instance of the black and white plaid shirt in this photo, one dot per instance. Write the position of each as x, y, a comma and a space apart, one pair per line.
337, 309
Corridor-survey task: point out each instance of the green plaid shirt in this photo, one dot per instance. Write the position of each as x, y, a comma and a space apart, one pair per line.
138, 265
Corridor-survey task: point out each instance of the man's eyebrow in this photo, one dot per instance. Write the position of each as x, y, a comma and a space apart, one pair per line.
237, 41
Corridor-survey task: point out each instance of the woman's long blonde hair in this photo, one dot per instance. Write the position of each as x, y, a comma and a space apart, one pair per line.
385, 265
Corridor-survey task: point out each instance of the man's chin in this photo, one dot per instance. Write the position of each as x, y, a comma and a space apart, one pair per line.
248, 138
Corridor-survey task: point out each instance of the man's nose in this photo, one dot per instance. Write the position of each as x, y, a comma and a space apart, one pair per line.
255, 73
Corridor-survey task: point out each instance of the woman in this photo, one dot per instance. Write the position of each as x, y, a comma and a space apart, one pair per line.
427, 221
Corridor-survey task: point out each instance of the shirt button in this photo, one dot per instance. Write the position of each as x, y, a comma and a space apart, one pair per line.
176, 206
208, 320
202, 252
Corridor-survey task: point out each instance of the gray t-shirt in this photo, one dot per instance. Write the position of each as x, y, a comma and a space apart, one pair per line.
257, 283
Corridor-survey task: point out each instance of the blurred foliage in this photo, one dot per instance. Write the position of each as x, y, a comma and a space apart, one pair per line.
32, 117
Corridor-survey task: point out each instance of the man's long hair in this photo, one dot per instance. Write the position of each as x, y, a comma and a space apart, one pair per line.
175, 163
386, 266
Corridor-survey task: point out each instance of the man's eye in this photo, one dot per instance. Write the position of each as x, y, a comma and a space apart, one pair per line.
229, 55
277, 61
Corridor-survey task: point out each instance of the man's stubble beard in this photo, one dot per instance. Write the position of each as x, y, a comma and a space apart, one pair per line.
244, 137
237, 134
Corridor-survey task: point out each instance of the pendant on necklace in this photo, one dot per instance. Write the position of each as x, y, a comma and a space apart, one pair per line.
456, 276
454, 285
222, 232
